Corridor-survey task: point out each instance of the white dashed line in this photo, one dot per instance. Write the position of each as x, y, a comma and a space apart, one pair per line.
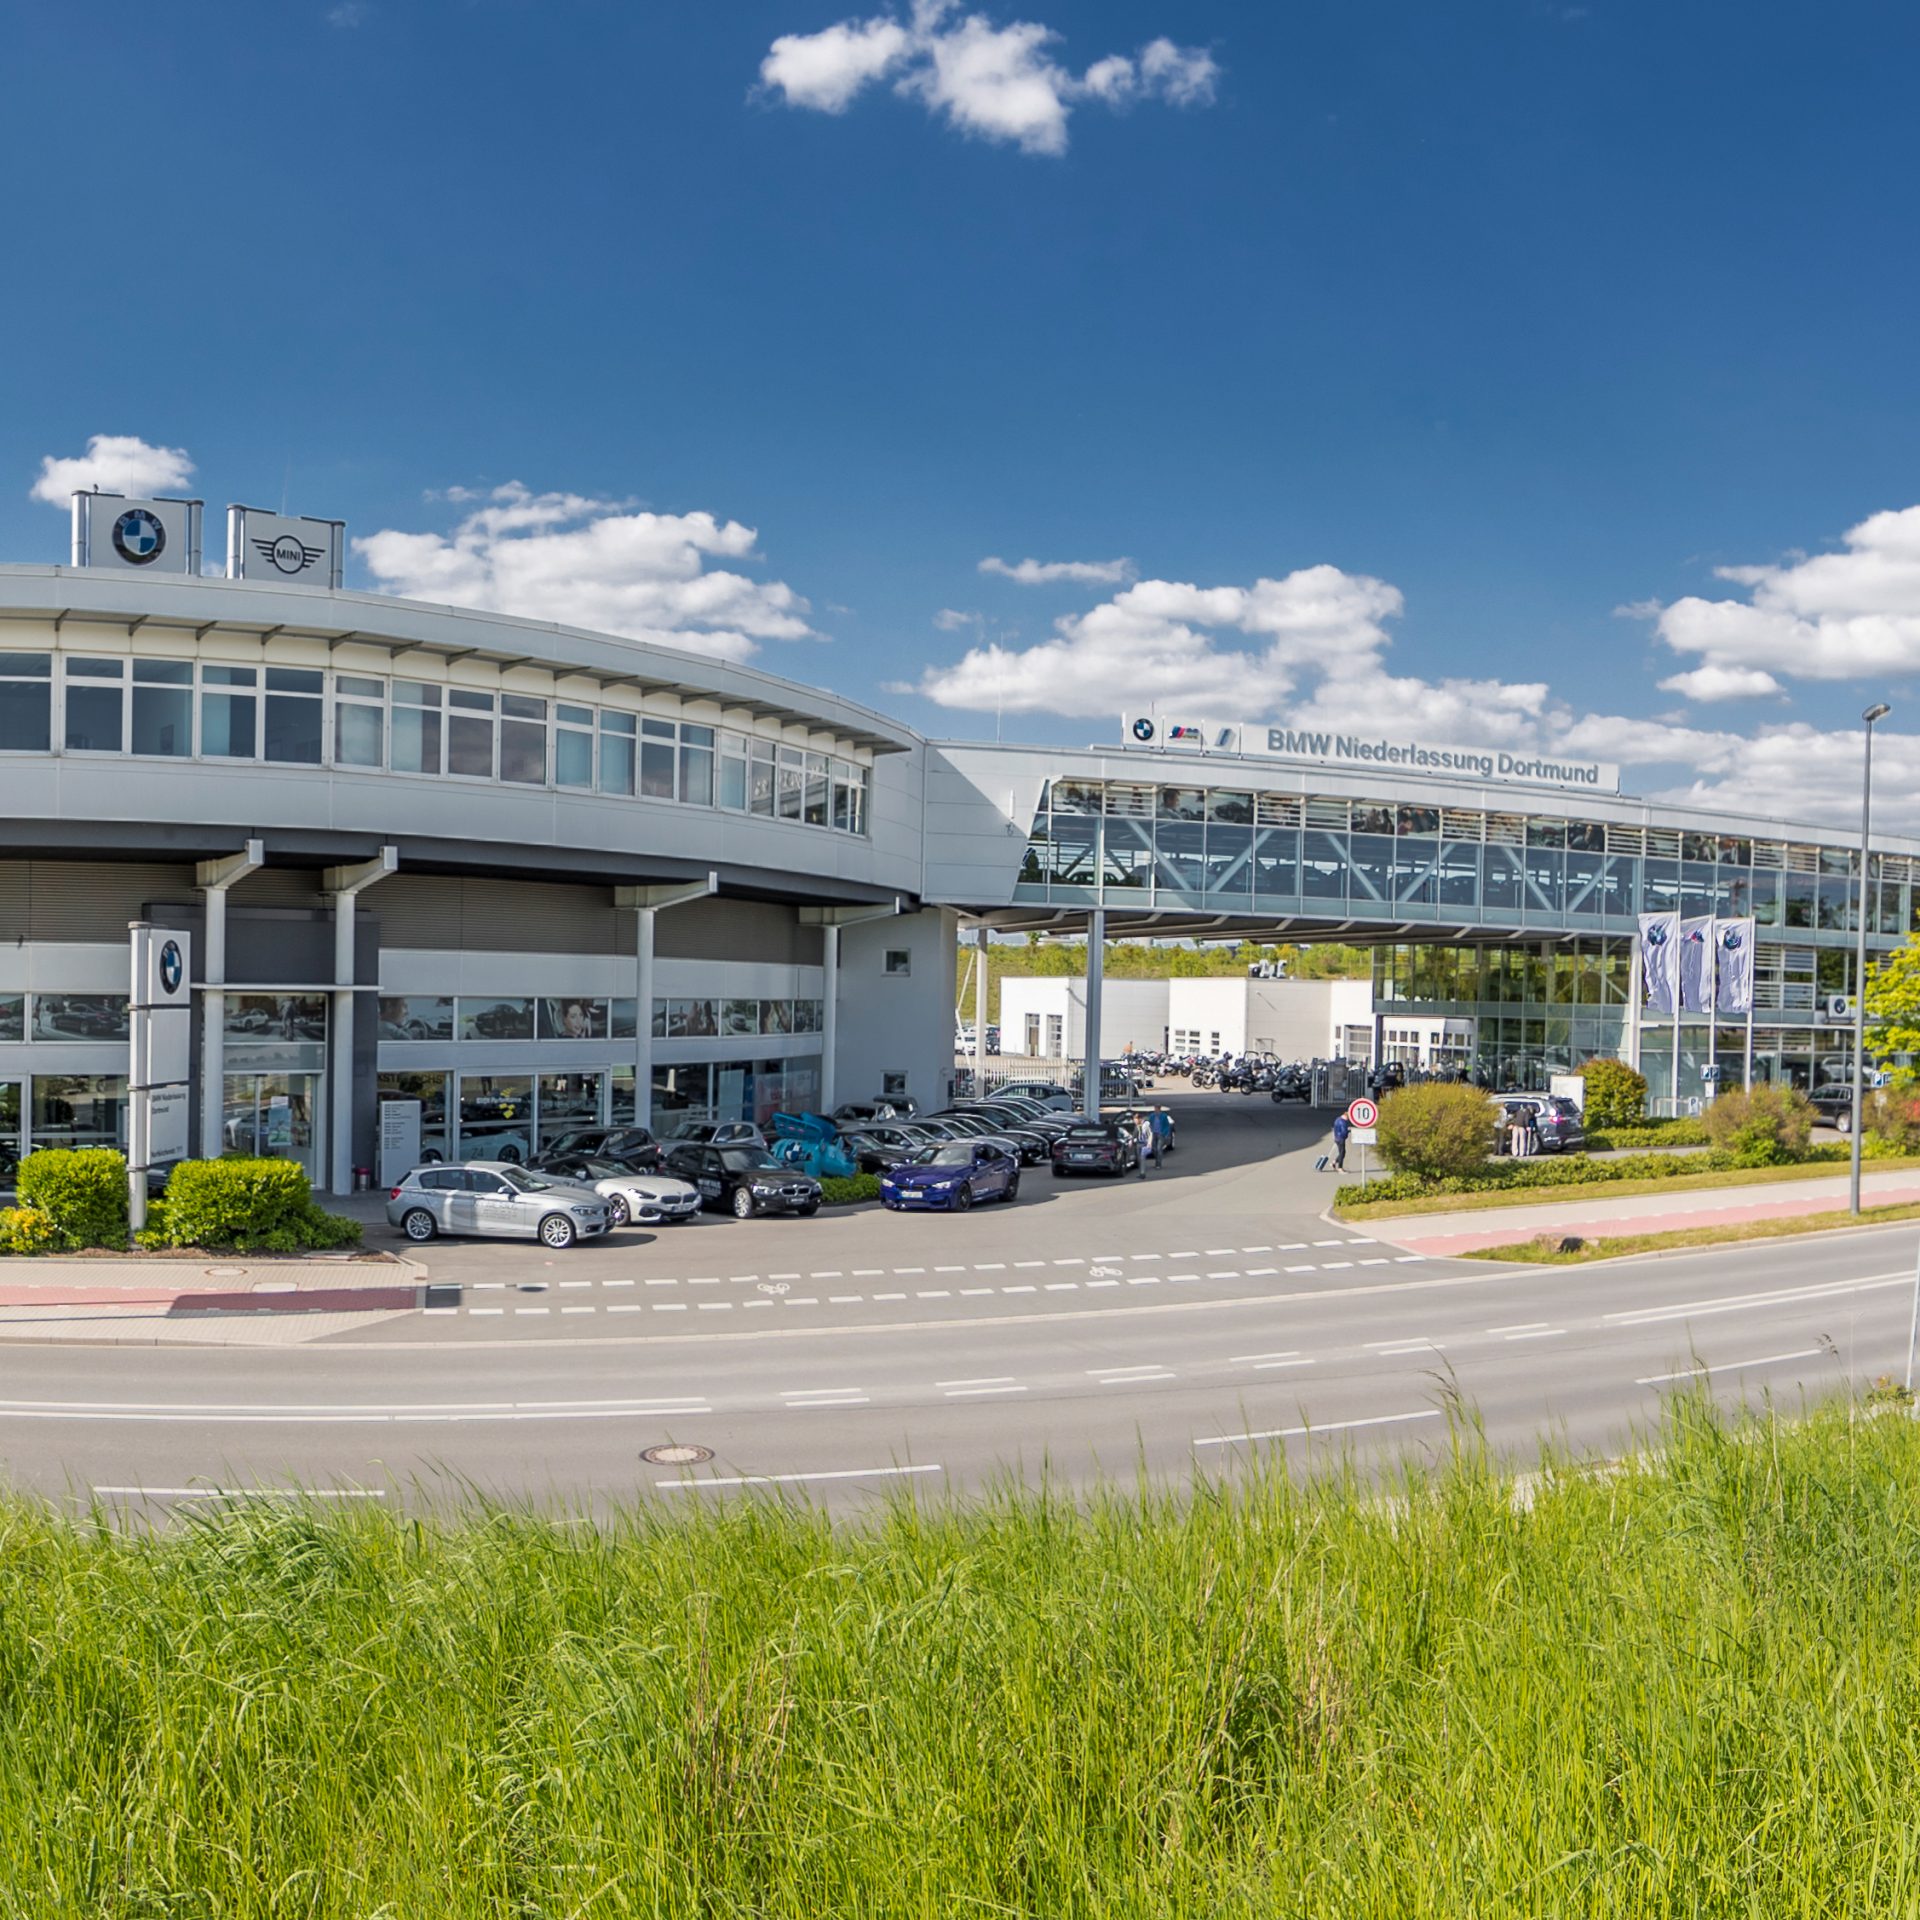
1542, 1333
1731, 1366
1330, 1426
1019, 1289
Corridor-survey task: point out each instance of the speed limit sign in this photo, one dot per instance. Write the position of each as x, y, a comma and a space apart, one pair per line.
1362, 1113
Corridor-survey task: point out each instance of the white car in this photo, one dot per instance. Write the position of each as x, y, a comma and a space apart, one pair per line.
633, 1197
1044, 1091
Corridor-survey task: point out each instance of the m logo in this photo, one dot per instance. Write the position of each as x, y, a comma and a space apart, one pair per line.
172, 967
287, 555
138, 537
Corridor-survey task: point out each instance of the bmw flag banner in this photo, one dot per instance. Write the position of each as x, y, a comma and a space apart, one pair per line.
1696, 965
141, 536
288, 549
1733, 956
1660, 959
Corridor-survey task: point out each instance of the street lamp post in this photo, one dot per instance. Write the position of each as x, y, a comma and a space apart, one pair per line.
1878, 711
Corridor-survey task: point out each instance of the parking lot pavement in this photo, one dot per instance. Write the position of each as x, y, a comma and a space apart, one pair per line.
1235, 1211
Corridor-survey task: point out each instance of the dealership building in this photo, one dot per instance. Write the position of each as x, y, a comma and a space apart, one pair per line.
512, 878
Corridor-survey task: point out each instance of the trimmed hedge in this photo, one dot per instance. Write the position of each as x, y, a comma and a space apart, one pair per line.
249, 1206
843, 1190
1688, 1131
1557, 1170
83, 1193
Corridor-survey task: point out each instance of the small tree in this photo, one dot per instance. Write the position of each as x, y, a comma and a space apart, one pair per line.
1437, 1129
1616, 1094
1893, 1006
1766, 1126
1890, 1120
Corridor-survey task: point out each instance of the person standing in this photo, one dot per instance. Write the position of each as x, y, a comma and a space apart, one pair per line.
1342, 1126
1143, 1134
1162, 1135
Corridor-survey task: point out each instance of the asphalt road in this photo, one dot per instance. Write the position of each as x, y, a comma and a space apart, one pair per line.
1185, 1321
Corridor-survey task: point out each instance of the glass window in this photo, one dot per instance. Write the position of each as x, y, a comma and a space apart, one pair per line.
13, 1016
733, 772
696, 766
1500, 870
26, 702
417, 1017
1414, 861
1323, 865
1182, 803
484, 1019
623, 1019
1235, 809
656, 759
79, 1016
276, 1016
567, 1100
739, 1016
470, 734
1276, 863
359, 721
96, 706
618, 755
79, 1110
1370, 876
163, 708
691, 1020
292, 734
573, 1017
430, 1089
793, 773
496, 1117
815, 808
760, 783
523, 740
228, 713
572, 746
776, 1016
416, 727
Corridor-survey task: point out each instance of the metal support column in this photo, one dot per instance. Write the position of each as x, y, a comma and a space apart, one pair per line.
216, 878
345, 885
982, 937
646, 903
1096, 984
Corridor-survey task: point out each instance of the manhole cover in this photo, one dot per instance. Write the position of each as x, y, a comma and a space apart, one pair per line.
675, 1456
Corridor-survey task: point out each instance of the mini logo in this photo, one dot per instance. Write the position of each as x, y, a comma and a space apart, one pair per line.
286, 554
138, 537
1143, 730
171, 967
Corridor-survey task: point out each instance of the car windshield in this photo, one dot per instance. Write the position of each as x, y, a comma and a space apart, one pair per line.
1088, 1133
523, 1182
953, 1156
749, 1160
600, 1169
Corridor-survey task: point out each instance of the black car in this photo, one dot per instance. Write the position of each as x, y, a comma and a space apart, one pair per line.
1833, 1107
744, 1181
632, 1146
1097, 1146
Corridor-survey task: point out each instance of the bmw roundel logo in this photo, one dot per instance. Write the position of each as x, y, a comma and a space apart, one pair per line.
1732, 940
1143, 729
138, 537
1656, 936
171, 967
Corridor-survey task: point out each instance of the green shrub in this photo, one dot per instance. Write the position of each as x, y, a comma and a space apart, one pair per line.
258, 1206
1890, 1122
27, 1230
1438, 1129
1687, 1131
1763, 1126
1616, 1094
82, 1190
842, 1190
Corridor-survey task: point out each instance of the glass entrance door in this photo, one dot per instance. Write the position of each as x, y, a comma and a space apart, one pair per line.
275, 1116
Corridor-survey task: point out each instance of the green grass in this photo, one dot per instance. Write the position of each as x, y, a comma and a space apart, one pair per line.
1682, 1688
1348, 1204
1542, 1251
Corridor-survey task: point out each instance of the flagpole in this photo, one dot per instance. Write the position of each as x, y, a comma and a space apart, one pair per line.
1712, 998
1679, 994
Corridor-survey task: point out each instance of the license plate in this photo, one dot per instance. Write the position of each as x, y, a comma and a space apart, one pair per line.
1080, 1156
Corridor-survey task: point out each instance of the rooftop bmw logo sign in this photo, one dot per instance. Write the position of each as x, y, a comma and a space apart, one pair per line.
1143, 730
139, 538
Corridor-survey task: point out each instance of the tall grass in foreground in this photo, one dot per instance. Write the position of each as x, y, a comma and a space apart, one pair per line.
1685, 1689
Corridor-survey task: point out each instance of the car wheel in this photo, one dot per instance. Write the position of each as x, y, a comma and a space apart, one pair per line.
510, 1154
809, 1210
418, 1225
963, 1200
431, 1158
617, 1213
1013, 1190
742, 1204
1843, 1121
556, 1231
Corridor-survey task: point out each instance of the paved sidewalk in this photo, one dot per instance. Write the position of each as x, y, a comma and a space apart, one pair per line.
1469, 1229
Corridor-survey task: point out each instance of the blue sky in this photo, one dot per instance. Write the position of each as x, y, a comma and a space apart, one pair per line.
1462, 328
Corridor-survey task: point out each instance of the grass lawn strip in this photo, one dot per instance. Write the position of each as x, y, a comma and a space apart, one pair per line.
1490, 1198
1539, 1252
1682, 1686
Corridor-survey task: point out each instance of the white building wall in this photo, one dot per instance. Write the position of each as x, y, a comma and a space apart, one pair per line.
897, 1023
1133, 1013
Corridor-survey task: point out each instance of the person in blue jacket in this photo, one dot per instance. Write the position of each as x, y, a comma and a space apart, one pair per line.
1342, 1126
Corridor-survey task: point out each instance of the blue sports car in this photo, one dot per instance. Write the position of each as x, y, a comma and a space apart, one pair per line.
951, 1178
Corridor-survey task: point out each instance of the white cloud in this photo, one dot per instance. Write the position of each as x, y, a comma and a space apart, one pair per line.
1721, 683
994, 82
114, 463
1828, 616
1044, 573
594, 563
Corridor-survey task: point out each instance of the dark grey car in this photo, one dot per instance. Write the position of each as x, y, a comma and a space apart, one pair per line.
492, 1200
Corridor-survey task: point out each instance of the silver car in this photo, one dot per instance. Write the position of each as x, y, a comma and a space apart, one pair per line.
492, 1200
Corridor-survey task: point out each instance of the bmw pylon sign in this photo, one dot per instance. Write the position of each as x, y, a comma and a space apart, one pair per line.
173, 968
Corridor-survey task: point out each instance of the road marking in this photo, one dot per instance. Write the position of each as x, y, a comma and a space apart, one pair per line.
868, 1273
1730, 1366
1329, 1243
1069, 1263
833, 1273
979, 1380
1115, 1373
533, 1309
974, 1393
844, 1299
1019, 1289
454, 1413
617, 1283
1063, 1286
716, 1306
789, 1479
1247, 1359
797, 1300
1185, 1253
1261, 1273
663, 1283
1406, 1259
973, 1293
1145, 1256
889, 1296
1214, 1253
1540, 1333
1331, 1426
902, 1272
627, 1306
576, 1283
935, 1293
949, 1269
1293, 1246
579, 1309
1362, 1240
1303, 1269
1143, 1280
1029, 1263
1422, 1345
491, 1310
1092, 1284
243, 1493
1256, 1249
1522, 1326
991, 1266
1379, 1260
1335, 1266
1732, 1303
